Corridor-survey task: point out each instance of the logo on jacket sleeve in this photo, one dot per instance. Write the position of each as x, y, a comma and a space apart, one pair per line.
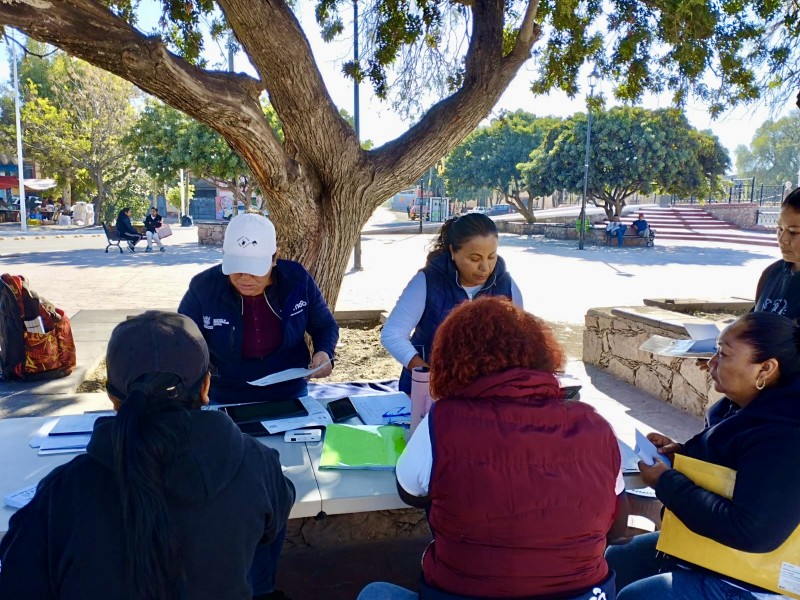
209, 323
298, 308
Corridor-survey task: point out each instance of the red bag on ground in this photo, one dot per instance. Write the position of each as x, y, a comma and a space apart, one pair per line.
46, 355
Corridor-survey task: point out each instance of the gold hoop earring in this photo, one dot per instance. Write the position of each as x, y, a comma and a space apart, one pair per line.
761, 384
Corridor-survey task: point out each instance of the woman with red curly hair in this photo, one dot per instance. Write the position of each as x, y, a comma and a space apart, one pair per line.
522, 486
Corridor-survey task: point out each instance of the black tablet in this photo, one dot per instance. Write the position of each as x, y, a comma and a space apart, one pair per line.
266, 411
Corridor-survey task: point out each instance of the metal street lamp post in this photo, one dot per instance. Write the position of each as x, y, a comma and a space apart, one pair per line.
357, 124
594, 76
23, 216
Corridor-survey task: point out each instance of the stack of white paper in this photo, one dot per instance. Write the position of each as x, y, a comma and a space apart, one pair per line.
371, 408
20, 498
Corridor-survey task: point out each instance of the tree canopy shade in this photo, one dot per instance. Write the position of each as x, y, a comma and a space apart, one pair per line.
320, 184
632, 150
774, 153
489, 156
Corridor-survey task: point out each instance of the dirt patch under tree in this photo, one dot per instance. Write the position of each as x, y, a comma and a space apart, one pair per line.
360, 355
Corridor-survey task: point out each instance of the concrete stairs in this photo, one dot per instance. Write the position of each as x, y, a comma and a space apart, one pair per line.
694, 224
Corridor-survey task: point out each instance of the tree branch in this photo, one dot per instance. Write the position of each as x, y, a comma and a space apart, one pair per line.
487, 74
226, 102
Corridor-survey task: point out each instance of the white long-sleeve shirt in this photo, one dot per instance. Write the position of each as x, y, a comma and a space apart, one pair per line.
396, 333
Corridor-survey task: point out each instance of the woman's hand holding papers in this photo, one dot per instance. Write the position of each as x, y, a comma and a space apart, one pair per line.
665, 445
652, 473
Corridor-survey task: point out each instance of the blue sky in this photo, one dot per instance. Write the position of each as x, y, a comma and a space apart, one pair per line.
380, 124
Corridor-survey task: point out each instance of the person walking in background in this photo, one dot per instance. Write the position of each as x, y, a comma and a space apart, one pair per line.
152, 223
616, 229
254, 311
523, 488
168, 502
126, 230
462, 265
757, 367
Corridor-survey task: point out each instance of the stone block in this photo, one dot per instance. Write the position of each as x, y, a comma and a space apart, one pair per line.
621, 370
687, 397
651, 381
592, 347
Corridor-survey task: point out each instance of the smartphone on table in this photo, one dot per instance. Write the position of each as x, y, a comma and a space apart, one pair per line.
342, 410
265, 411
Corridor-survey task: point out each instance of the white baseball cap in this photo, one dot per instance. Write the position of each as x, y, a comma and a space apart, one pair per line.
249, 245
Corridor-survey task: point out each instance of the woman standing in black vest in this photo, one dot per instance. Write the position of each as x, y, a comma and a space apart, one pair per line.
462, 265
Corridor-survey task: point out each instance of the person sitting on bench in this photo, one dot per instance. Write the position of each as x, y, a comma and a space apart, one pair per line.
125, 229
616, 229
643, 230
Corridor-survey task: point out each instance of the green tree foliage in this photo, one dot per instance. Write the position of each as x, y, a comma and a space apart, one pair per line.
774, 153
632, 150
488, 158
164, 140
75, 131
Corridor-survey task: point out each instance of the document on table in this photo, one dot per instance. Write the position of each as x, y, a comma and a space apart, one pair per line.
371, 408
665, 346
317, 416
630, 460
72, 424
702, 345
288, 375
21, 497
64, 444
647, 451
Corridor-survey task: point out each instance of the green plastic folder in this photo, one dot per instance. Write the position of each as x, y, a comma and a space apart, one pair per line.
362, 447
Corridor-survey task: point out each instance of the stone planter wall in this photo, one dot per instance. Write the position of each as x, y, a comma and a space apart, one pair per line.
210, 233
741, 215
558, 231
611, 341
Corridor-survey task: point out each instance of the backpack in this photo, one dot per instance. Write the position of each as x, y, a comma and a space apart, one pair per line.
26, 355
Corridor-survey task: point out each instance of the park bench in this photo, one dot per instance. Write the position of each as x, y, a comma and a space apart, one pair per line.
111, 237
631, 238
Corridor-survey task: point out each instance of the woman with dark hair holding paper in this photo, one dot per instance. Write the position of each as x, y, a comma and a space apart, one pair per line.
169, 502
757, 367
462, 265
522, 486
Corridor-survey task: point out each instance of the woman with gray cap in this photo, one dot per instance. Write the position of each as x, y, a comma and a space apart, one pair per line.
254, 311
169, 502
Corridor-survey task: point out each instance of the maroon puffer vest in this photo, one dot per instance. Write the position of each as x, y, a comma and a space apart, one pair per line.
522, 490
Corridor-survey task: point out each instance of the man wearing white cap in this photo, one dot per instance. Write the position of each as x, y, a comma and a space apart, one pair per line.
254, 311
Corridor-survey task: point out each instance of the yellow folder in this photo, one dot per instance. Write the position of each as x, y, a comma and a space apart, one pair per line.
777, 571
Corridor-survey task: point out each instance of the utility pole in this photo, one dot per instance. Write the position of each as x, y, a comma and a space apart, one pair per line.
357, 124
23, 208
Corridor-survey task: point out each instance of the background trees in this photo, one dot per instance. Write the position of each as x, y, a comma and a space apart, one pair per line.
74, 117
632, 150
774, 152
320, 184
489, 156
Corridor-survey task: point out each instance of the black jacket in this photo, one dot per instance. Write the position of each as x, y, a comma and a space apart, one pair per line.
778, 290
215, 305
226, 494
761, 442
151, 223
124, 225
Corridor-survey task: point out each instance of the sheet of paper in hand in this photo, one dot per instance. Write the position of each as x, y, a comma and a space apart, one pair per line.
288, 375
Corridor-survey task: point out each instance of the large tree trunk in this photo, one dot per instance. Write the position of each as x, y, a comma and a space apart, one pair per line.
321, 186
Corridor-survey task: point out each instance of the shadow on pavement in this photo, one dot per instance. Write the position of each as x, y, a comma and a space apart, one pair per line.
90, 258
660, 255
